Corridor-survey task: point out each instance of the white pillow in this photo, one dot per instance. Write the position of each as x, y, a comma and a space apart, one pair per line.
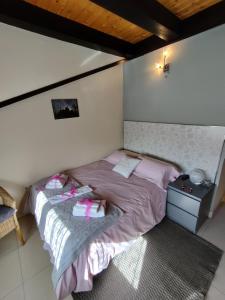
126, 166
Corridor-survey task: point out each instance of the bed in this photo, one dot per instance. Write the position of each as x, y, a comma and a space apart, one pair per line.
143, 204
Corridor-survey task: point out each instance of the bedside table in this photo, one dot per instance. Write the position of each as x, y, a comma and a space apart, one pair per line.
188, 204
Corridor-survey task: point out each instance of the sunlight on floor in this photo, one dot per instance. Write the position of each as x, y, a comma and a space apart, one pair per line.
134, 264
193, 296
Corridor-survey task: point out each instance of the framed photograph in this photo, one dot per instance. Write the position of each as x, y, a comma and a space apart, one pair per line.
65, 108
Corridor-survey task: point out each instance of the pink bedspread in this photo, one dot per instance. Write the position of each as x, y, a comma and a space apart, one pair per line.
144, 205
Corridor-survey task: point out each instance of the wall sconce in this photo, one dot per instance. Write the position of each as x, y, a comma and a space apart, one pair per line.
166, 66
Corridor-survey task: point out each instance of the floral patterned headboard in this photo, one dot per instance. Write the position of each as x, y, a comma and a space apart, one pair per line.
188, 146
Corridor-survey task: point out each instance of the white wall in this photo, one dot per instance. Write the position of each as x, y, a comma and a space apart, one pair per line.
29, 61
34, 145
193, 92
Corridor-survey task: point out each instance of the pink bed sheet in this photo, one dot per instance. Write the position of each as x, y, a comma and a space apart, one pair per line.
144, 205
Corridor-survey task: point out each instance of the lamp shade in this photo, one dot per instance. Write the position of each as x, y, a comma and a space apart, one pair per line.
197, 176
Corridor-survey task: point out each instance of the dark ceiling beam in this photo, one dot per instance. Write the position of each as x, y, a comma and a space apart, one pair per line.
57, 84
27, 16
148, 45
205, 20
24, 15
148, 14
202, 21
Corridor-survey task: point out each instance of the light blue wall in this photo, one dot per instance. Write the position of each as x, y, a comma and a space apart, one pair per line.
193, 92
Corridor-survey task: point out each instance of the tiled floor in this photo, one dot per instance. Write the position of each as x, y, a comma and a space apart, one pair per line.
25, 271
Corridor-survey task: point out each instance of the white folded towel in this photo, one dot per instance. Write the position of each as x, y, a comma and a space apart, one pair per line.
57, 181
72, 193
89, 208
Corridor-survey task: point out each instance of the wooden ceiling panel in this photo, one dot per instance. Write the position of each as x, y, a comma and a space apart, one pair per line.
187, 8
94, 16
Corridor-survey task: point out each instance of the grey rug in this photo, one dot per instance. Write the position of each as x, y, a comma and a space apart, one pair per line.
166, 263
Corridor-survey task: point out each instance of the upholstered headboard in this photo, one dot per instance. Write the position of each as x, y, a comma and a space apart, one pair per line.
189, 146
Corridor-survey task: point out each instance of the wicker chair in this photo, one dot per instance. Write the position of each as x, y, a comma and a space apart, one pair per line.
8, 219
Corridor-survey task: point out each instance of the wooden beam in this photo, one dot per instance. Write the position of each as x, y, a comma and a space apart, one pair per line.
148, 45
57, 84
148, 14
202, 21
27, 16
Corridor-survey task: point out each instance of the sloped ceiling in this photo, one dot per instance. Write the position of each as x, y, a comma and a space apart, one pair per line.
34, 63
31, 61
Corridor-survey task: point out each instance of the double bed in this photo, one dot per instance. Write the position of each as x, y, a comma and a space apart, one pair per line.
143, 204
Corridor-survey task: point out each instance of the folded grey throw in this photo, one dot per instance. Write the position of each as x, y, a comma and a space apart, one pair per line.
66, 236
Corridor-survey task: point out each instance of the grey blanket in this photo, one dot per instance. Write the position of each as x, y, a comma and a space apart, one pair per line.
65, 236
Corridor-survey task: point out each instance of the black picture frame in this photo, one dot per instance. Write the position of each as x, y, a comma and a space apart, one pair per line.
65, 108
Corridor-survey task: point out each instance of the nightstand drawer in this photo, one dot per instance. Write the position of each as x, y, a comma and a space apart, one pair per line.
181, 217
188, 204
